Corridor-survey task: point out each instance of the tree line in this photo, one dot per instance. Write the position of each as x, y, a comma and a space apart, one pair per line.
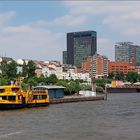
27, 78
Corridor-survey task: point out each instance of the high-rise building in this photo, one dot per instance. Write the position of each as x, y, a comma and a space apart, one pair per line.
99, 66
137, 55
64, 57
80, 45
127, 52
123, 51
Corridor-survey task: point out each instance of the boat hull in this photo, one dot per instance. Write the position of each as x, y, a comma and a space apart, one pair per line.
18, 106
10, 106
37, 105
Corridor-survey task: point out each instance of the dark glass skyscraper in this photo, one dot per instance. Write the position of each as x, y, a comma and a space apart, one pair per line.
64, 57
80, 45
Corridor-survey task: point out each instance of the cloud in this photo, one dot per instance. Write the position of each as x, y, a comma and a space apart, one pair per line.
17, 29
28, 42
64, 21
70, 20
101, 7
135, 31
6, 16
121, 15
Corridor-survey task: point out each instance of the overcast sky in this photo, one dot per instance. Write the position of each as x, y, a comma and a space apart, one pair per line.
37, 30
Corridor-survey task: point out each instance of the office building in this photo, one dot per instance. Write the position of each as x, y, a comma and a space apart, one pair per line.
80, 45
127, 52
64, 57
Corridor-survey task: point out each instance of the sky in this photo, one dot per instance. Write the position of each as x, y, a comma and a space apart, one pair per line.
37, 29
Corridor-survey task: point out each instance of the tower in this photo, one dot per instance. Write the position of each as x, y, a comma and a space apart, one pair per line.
80, 45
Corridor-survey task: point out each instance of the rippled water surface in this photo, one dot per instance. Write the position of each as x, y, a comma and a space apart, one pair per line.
118, 118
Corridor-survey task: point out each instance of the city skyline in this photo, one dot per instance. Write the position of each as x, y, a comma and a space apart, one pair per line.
37, 30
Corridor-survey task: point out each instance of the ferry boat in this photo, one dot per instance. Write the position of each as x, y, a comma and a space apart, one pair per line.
37, 98
13, 97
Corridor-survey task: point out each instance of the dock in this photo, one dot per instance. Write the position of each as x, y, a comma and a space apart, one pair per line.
76, 99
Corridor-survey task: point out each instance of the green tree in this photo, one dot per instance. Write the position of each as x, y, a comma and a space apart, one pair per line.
85, 87
119, 76
24, 70
52, 79
9, 69
41, 80
12, 70
31, 69
99, 89
62, 83
132, 77
31, 82
4, 81
111, 75
100, 83
4, 68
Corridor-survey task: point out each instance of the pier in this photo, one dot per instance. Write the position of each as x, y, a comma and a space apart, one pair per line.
76, 99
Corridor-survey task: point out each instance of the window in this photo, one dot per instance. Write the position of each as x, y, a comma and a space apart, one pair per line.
44, 96
3, 97
11, 98
15, 89
39, 97
35, 97
2, 90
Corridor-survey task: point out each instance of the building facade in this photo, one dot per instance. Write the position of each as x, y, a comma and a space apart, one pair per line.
80, 45
137, 55
64, 57
120, 67
99, 66
86, 65
127, 52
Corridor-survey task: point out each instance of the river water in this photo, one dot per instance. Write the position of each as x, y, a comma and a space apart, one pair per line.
118, 118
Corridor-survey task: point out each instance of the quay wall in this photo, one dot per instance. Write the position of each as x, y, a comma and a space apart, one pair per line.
75, 99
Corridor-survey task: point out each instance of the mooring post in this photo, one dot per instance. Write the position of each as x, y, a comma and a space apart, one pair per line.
105, 98
93, 85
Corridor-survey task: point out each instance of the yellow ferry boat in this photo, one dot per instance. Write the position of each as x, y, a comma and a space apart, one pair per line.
37, 98
12, 97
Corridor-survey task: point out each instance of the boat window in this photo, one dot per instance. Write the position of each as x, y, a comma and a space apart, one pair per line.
35, 97
15, 89
11, 98
3, 97
39, 97
44, 96
2, 90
